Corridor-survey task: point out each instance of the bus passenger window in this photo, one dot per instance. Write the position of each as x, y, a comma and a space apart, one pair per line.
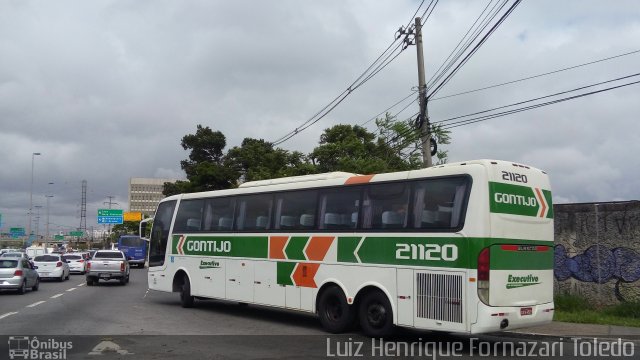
296, 210
439, 203
339, 208
386, 206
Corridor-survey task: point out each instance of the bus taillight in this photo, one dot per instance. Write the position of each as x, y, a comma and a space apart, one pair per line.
483, 275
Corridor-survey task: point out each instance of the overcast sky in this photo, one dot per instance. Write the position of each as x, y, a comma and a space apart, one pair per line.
105, 90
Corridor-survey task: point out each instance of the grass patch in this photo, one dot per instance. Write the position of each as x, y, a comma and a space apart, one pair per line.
571, 308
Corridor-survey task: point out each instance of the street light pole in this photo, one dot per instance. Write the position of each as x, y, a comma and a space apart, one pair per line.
33, 155
47, 238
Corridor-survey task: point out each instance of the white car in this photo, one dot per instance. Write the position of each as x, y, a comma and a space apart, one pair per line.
52, 266
77, 262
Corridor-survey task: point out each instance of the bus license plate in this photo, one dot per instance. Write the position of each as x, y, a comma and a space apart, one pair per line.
526, 311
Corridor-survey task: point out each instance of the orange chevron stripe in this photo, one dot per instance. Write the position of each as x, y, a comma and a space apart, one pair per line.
360, 179
542, 202
304, 274
318, 247
181, 245
276, 247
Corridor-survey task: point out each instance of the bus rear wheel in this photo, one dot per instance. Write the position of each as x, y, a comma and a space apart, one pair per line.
376, 314
186, 299
335, 314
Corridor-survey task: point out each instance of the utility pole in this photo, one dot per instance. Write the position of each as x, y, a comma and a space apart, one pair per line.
423, 124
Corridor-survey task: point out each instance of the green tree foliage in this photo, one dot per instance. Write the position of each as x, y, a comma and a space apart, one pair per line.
258, 160
404, 138
127, 227
205, 167
396, 146
354, 149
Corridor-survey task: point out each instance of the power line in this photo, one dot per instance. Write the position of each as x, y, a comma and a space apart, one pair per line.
392, 106
376, 66
530, 107
458, 45
501, 84
327, 109
536, 99
474, 50
535, 76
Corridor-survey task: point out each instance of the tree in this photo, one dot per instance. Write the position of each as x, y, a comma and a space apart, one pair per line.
404, 137
127, 227
354, 149
205, 166
258, 160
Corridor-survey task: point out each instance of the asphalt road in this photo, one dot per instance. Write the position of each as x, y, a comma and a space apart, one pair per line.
118, 321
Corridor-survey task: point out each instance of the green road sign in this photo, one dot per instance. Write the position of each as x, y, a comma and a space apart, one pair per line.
17, 231
109, 212
58, 237
76, 233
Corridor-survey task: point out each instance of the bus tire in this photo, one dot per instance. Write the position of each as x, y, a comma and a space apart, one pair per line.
376, 314
336, 315
186, 299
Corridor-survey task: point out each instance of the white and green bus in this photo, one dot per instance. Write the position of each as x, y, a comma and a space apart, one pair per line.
464, 247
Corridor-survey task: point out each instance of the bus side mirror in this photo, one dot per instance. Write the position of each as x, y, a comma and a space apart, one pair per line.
143, 228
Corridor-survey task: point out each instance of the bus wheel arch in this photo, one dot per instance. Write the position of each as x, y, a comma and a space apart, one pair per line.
335, 313
375, 311
182, 284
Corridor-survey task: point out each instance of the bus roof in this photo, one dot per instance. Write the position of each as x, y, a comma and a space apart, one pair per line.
338, 178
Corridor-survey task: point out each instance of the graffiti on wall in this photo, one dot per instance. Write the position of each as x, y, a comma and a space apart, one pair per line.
599, 264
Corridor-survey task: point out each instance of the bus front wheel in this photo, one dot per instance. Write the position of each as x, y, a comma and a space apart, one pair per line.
186, 299
376, 314
335, 314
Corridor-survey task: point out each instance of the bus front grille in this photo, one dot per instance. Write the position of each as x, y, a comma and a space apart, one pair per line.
439, 297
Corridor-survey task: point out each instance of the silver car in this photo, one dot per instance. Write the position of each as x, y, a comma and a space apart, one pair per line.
18, 274
52, 266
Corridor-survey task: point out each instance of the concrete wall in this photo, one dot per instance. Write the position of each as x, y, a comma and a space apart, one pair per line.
597, 251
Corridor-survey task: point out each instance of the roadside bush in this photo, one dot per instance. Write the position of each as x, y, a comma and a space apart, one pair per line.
571, 303
626, 309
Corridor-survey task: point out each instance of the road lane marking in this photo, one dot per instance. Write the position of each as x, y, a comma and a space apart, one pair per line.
83, 284
36, 303
8, 314
56, 295
71, 289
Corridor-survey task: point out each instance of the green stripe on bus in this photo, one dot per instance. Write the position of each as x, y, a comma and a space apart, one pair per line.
516, 200
241, 246
346, 248
444, 252
284, 270
425, 251
295, 247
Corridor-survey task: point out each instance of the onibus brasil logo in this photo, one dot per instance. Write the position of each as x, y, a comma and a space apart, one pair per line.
514, 282
25, 347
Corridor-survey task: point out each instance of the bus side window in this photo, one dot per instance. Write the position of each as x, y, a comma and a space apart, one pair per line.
254, 212
220, 215
386, 206
296, 210
439, 203
189, 216
339, 208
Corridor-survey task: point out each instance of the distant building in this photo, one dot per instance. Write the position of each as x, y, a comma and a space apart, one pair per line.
145, 194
